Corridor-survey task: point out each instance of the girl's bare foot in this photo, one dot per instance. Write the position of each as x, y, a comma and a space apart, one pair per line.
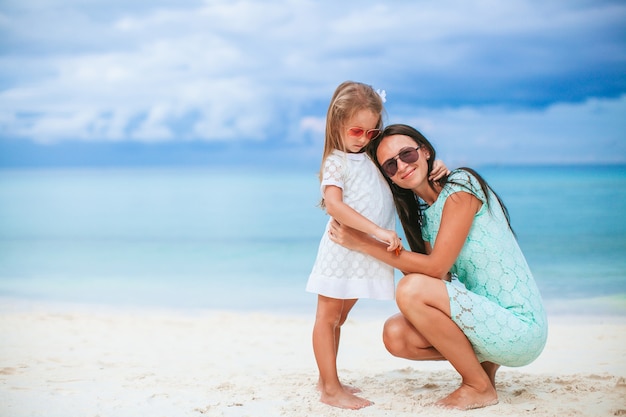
467, 398
491, 369
349, 388
344, 399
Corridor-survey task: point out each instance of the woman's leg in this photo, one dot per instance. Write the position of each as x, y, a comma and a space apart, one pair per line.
404, 341
491, 369
331, 313
425, 304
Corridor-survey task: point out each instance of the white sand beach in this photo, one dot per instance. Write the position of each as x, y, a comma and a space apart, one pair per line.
84, 361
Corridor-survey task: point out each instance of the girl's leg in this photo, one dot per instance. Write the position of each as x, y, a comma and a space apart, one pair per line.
425, 304
331, 313
347, 307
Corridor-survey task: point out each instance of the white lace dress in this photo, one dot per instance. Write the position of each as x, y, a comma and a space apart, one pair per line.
342, 273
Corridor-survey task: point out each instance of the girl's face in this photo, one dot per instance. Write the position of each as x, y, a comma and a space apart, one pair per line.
397, 153
359, 130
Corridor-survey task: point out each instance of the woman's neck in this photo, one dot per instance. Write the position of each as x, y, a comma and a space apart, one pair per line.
428, 193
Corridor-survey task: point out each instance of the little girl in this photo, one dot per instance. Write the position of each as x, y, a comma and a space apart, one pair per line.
354, 193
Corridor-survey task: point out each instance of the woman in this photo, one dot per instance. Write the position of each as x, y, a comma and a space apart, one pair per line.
457, 226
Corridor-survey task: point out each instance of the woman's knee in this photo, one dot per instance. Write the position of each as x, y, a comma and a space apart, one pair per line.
412, 291
394, 334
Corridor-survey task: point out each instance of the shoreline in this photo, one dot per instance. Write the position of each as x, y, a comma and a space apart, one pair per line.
75, 360
611, 307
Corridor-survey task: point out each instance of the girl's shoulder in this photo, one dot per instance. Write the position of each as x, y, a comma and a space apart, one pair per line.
336, 153
340, 158
336, 159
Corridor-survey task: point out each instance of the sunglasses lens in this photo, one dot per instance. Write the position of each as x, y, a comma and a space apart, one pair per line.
390, 167
409, 156
373, 134
356, 132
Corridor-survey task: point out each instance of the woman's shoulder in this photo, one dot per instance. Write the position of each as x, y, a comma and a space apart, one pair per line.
462, 179
461, 175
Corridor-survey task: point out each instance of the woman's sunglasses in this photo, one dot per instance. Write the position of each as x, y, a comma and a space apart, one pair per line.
406, 155
357, 132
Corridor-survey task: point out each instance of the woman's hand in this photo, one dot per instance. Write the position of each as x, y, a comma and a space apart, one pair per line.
346, 236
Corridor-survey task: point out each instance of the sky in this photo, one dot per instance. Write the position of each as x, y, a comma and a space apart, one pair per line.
221, 82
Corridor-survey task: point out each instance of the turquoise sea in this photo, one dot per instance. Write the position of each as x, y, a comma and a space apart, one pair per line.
202, 239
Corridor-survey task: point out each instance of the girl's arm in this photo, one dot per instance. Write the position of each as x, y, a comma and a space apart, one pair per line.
456, 221
439, 171
346, 215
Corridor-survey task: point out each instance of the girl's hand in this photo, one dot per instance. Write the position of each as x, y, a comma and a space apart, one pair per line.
439, 171
390, 237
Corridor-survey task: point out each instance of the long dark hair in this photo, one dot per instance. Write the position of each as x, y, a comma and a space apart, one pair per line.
409, 207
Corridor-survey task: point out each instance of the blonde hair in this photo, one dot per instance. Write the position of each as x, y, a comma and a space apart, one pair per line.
349, 98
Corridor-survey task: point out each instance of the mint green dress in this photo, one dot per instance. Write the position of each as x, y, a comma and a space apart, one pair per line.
496, 301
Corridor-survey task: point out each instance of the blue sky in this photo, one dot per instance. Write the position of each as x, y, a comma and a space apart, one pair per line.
218, 81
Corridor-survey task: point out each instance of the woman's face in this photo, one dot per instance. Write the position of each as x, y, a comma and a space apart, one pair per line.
397, 152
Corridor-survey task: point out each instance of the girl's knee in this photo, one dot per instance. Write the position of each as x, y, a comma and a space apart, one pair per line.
347, 307
332, 311
328, 317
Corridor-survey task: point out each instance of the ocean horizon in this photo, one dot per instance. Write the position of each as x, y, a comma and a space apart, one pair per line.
196, 238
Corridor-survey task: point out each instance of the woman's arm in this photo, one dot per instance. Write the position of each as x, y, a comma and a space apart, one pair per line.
456, 221
346, 215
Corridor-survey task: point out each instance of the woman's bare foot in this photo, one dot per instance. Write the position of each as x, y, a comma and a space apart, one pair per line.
344, 399
491, 369
467, 398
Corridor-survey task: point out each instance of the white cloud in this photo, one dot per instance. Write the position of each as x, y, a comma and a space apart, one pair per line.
589, 132
250, 70
311, 130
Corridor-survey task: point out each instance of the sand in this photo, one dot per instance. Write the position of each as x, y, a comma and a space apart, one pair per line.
85, 361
